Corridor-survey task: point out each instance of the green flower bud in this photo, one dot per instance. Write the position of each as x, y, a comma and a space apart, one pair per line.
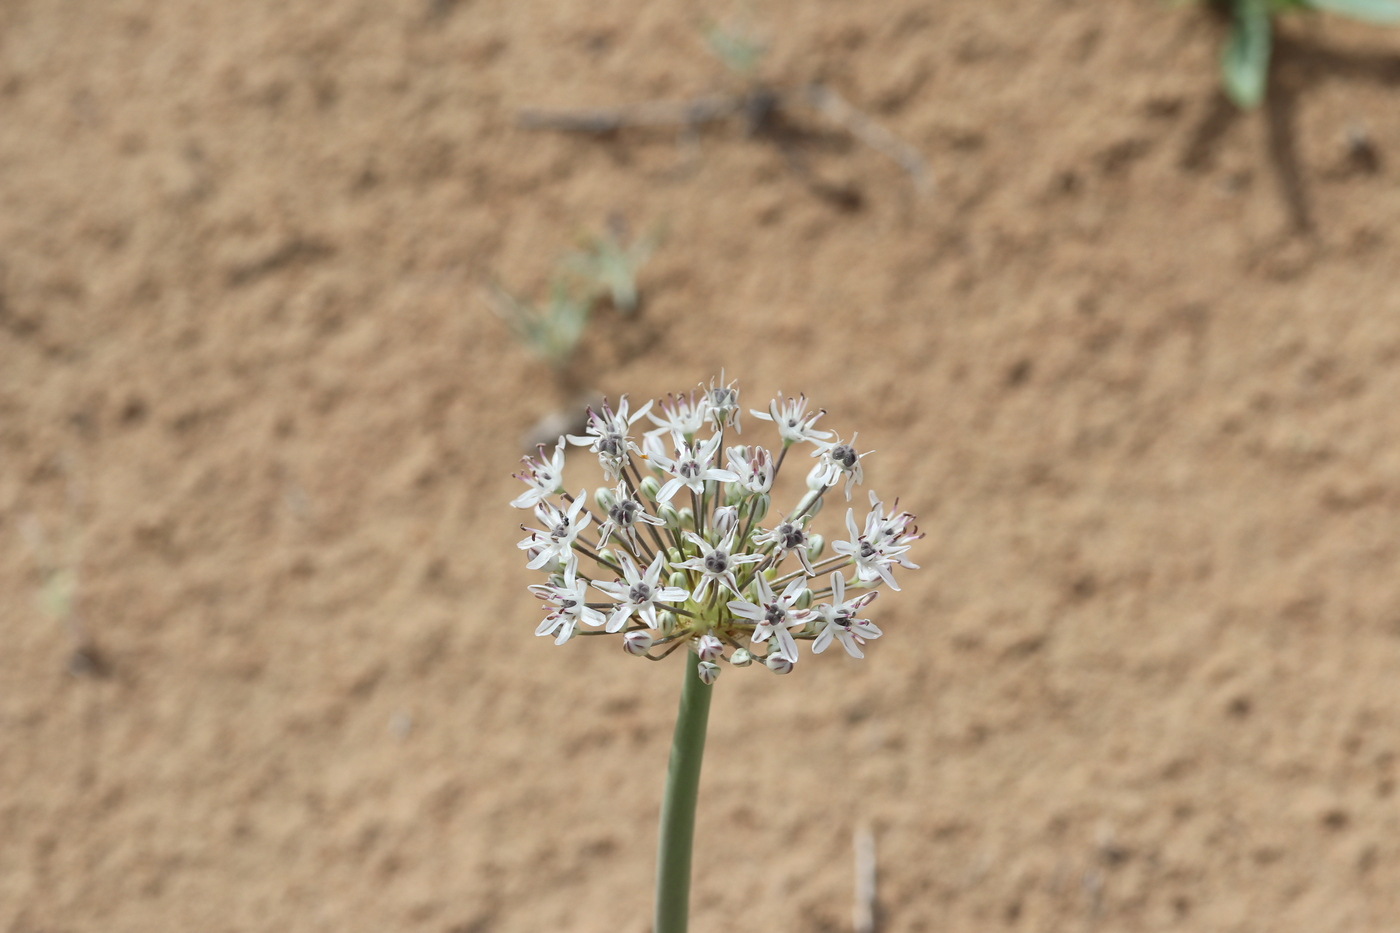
804, 600
650, 487
815, 543
741, 657
687, 518
605, 499
758, 507
670, 516
609, 555
678, 578
665, 622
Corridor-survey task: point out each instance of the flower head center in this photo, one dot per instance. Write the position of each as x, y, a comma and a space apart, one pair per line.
639, 593
611, 444
790, 536
845, 455
717, 561
624, 512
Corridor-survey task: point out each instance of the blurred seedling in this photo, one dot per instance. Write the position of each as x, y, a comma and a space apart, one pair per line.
764, 109
608, 264
1244, 59
60, 583
605, 266
551, 330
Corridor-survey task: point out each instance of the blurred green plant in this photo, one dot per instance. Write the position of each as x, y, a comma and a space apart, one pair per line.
1244, 60
608, 264
60, 580
739, 49
605, 265
551, 330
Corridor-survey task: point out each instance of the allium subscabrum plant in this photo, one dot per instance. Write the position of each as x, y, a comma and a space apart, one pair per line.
685, 552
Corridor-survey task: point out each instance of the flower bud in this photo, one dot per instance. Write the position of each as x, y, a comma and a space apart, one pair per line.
678, 578
666, 622
708, 671
815, 543
608, 554
758, 507
741, 657
687, 518
668, 514
674, 555
778, 664
726, 520
814, 478
649, 487
709, 648
605, 499
804, 600
637, 643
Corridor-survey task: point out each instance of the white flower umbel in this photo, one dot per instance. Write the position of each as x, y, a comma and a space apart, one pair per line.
700, 559
718, 568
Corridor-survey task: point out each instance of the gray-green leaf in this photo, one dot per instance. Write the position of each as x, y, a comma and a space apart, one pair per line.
1383, 12
1244, 62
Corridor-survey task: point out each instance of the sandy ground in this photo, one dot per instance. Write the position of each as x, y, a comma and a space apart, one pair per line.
268, 657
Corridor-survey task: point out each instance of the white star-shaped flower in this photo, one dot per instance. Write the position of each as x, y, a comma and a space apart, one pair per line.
640, 593
716, 564
607, 436
872, 554
838, 459
555, 542
691, 468
793, 422
570, 607
546, 477
838, 620
681, 417
753, 466
774, 615
623, 517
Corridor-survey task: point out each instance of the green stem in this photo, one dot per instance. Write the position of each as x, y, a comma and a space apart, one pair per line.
678, 802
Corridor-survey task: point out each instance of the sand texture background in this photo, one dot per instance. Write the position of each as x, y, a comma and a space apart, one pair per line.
1133, 363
